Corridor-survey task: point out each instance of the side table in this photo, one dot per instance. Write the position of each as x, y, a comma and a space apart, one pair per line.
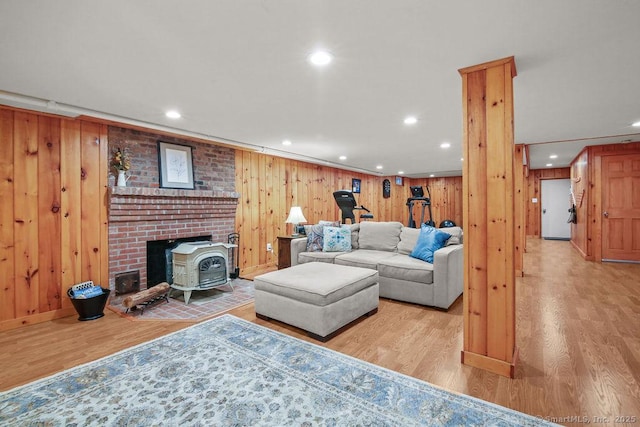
284, 251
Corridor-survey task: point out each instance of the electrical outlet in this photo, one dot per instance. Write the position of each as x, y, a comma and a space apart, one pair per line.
269, 247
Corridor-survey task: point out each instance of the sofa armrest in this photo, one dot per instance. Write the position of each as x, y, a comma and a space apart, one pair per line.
448, 275
297, 245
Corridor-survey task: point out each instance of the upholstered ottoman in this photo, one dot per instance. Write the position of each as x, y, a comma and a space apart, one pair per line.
317, 297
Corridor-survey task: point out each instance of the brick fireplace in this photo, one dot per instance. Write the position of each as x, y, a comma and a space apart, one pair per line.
139, 215
143, 212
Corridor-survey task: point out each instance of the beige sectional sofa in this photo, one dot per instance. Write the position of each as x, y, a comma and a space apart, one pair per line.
385, 247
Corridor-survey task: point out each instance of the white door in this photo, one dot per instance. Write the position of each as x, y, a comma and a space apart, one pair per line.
555, 195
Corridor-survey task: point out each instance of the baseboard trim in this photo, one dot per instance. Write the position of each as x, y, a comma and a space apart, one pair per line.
497, 366
36, 318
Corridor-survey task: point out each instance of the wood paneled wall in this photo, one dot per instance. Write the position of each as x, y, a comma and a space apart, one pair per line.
269, 186
586, 235
534, 224
585, 175
53, 218
446, 199
53, 179
580, 184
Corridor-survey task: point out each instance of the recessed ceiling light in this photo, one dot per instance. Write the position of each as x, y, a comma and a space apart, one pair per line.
445, 145
553, 156
549, 165
462, 159
636, 124
286, 142
173, 114
320, 58
410, 120
379, 167
343, 157
400, 172
431, 176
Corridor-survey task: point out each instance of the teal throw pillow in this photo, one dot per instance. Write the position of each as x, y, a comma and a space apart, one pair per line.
430, 240
337, 239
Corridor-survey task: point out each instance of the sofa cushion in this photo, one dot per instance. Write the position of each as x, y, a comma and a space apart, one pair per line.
456, 235
337, 239
379, 236
430, 240
364, 258
329, 257
355, 232
404, 267
408, 239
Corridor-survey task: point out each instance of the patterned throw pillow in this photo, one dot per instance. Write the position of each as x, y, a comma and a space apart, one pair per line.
337, 239
315, 235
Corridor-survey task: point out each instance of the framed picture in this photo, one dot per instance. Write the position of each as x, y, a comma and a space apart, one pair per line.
176, 165
355, 185
399, 180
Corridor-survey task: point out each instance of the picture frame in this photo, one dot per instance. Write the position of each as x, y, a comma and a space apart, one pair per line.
399, 180
175, 165
355, 185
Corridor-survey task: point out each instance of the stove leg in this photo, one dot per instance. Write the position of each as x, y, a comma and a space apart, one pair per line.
187, 297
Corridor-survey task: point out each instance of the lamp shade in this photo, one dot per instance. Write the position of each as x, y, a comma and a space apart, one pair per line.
295, 216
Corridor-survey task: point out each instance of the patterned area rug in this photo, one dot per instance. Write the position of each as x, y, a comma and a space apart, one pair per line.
202, 305
229, 372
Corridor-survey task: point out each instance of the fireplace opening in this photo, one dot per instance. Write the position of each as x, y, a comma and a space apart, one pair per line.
160, 258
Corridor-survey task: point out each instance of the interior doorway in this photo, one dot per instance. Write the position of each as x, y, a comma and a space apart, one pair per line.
555, 195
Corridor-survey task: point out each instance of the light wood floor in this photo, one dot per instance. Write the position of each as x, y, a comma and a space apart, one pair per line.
578, 332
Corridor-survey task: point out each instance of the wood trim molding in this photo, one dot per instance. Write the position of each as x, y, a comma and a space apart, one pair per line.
37, 318
497, 366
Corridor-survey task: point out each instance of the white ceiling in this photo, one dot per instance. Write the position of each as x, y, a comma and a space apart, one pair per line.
238, 71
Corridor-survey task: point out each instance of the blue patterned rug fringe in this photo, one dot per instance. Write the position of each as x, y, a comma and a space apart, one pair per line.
230, 372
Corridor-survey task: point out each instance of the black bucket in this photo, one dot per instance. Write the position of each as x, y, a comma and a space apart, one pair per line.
90, 308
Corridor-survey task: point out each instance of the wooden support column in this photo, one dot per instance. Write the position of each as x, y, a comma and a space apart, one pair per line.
488, 212
519, 208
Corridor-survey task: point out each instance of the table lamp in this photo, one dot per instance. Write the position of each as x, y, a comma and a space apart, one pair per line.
295, 218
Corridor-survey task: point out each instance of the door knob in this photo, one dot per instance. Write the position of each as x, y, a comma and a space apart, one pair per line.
544, 211
606, 214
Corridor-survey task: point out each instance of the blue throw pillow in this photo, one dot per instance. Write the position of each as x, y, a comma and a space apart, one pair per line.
430, 240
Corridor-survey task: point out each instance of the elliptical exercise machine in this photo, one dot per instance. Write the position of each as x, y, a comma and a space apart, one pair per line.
347, 204
418, 197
